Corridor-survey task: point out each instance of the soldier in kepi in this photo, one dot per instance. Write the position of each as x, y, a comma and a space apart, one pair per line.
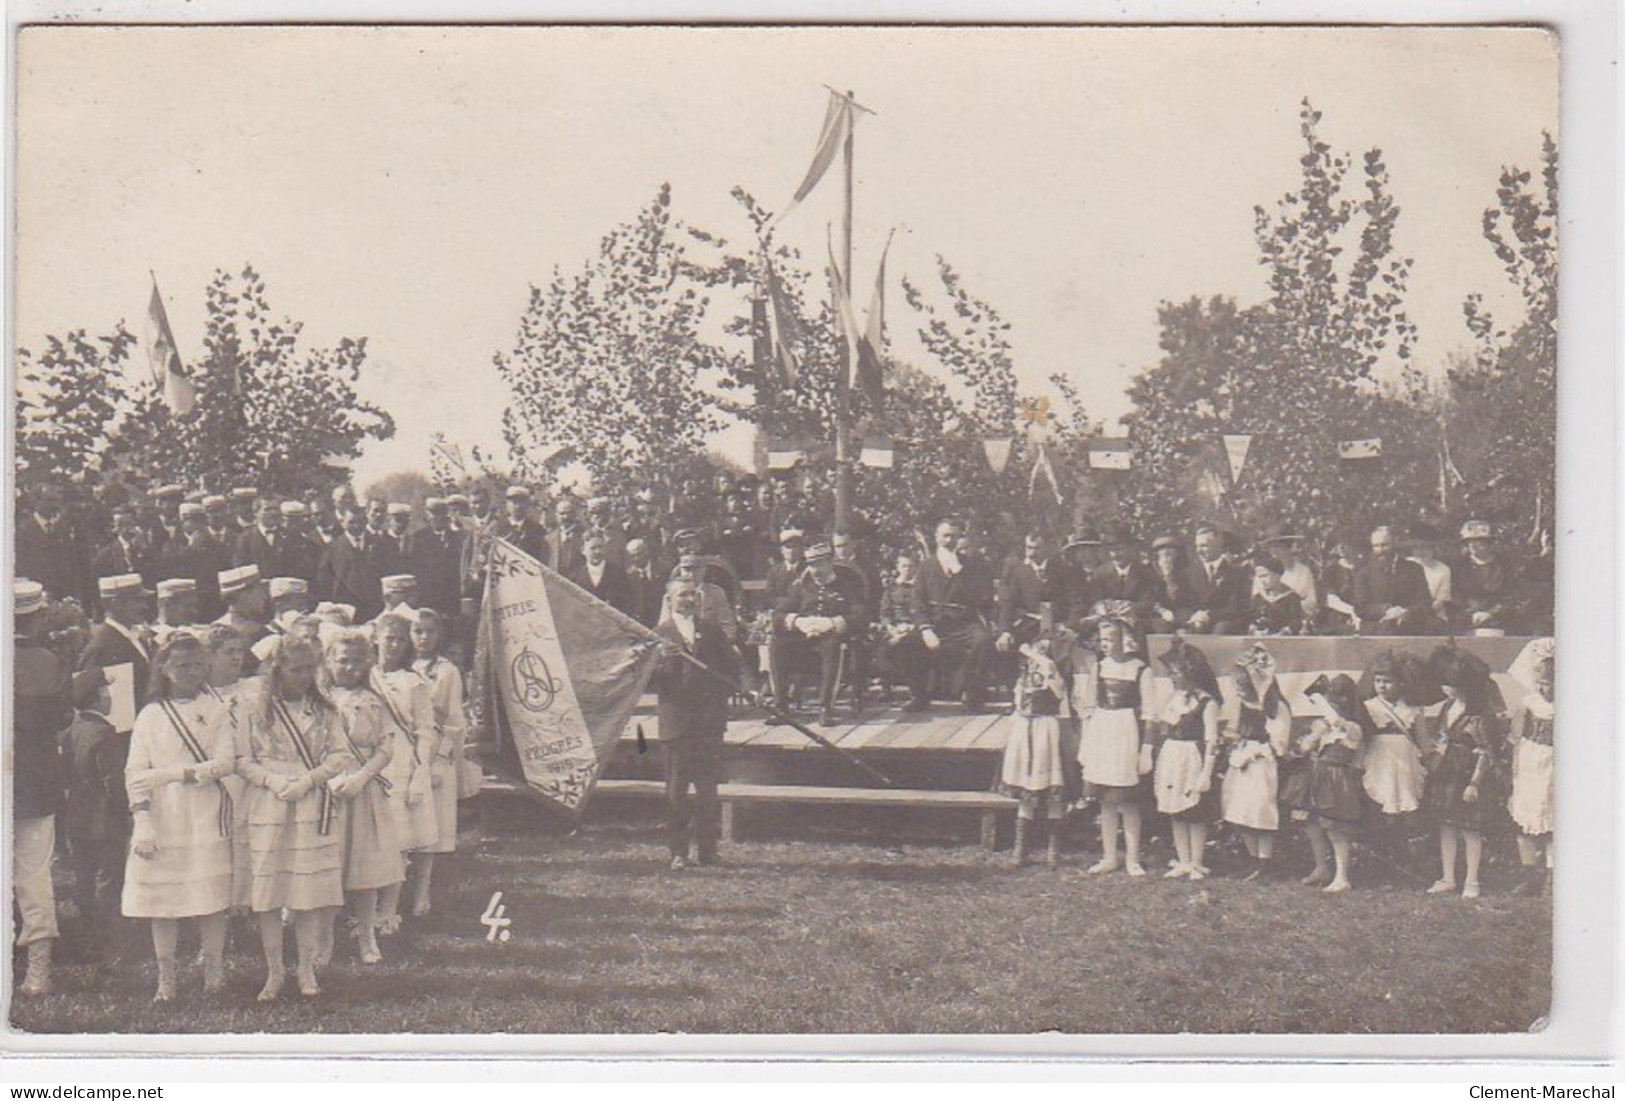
822, 615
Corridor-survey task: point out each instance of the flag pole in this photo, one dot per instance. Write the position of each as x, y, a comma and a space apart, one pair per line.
843, 398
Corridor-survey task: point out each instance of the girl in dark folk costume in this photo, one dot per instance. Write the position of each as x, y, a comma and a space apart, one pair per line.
372, 851
289, 745
1258, 730
1533, 804
1463, 790
1112, 750
1328, 800
180, 849
1032, 770
1394, 777
1189, 727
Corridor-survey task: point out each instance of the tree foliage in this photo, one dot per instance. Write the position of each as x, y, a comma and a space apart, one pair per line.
608, 362
1298, 373
269, 413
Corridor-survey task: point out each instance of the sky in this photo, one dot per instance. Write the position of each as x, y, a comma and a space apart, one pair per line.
410, 184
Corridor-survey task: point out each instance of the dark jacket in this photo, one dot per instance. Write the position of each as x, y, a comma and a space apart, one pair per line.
1022, 591
1383, 583
1139, 586
113, 560
54, 559
1494, 588
436, 560
350, 575
942, 600
613, 588
1226, 596
107, 648
693, 704
564, 548
93, 756
42, 709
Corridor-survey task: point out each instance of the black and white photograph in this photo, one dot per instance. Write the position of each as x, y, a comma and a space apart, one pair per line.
747, 530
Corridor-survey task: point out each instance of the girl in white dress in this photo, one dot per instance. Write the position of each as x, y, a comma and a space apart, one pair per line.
1258, 729
409, 698
1533, 804
227, 652
446, 689
289, 745
180, 849
1393, 757
1111, 749
1185, 759
372, 851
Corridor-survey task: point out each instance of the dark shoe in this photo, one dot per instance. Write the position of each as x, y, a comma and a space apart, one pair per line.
827, 718
917, 704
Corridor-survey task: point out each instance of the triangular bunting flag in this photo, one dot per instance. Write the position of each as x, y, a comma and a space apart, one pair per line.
877, 452
997, 449
1235, 449
566, 671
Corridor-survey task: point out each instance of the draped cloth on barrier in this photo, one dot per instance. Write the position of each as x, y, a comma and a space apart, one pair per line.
558, 674
1299, 660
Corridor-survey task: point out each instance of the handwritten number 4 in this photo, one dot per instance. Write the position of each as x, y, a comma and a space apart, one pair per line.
495, 921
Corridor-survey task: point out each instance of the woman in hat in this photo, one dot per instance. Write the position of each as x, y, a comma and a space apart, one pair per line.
1183, 779
1463, 791
289, 745
1111, 748
1032, 769
446, 690
180, 848
1258, 728
372, 851
409, 698
1534, 778
1343, 559
1276, 609
1175, 599
1393, 776
1329, 803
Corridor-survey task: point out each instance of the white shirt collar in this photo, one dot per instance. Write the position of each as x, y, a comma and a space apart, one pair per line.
685, 626
949, 561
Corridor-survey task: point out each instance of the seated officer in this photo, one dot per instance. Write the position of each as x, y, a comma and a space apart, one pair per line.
820, 614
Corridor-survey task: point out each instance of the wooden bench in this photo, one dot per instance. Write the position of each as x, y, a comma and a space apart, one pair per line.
989, 803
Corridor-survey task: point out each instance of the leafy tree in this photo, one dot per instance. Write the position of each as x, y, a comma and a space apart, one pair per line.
1502, 413
267, 414
608, 362
1297, 372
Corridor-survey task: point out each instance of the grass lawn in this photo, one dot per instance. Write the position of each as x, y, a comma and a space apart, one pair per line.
815, 926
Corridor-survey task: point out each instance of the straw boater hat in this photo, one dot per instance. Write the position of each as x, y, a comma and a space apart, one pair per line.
238, 578
1162, 542
1475, 529
458, 500
293, 508
791, 535
214, 503
27, 597
433, 504
517, 493
172, 587
122, 584
191, 508
169, 492
245, 493
398, 583
288, 586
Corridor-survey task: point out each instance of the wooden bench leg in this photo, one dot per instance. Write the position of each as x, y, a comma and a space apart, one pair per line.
990, 829
727, 821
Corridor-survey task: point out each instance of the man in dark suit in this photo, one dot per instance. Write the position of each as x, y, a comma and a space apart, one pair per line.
1390, 594
783, 573
264, 544
349, 572
127, 552
197, 556
434, 554
122, 637
47, 551
1034, 579
301, 545
952, 603
166, 532
519, 527
598, 575
693, 717
1123, 576
564, 541
1222, 588
645, 587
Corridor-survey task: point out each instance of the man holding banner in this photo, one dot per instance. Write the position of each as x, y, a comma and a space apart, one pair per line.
693, 718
